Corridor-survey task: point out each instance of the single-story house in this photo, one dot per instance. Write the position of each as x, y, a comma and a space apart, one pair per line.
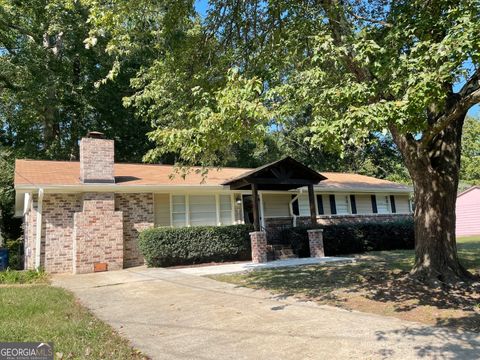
468, 212
79, 214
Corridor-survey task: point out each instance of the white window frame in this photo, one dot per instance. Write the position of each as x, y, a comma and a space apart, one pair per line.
218, 211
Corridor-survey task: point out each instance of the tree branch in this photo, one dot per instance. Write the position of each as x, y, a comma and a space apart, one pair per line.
339, 27
373, 21
468, 96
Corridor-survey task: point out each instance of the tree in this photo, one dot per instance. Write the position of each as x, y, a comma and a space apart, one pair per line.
470, 170
49, 93
354, 68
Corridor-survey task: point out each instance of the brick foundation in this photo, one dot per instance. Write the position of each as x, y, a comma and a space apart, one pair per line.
138, 215
259, 246
315, 239
98, 236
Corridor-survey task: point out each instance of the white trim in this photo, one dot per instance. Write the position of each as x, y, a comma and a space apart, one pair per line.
232, 207
38, 234
163, 188
262, 216
170, 210
217, 209
187, 210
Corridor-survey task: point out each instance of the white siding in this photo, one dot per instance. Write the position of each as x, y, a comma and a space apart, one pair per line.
162, 209
276, 204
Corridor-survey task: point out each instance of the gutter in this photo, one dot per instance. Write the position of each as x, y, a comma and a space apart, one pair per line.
38, 233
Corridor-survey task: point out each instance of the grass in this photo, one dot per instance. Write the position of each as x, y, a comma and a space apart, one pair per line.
377, 283
48, 314
22, 277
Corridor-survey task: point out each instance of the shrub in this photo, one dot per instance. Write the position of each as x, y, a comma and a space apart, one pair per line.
15, 253
340, 239
192, 245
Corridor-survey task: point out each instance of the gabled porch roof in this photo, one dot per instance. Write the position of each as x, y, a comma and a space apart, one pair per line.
284, 174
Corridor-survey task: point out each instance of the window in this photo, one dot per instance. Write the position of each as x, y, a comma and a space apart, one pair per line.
198, 210
382, 204
179, 211
225, 210
203, 210
341, 204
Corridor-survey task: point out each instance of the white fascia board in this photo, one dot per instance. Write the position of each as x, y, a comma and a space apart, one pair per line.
363, 190
121, 188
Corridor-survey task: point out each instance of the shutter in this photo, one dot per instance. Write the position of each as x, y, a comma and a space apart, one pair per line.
333, 205
392, 204
353, 204
374, 204
320, 205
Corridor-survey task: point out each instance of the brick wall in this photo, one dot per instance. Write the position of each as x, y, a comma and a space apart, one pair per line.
98, 236
57, 231
29, 232
96, 160
138, 214
259, 246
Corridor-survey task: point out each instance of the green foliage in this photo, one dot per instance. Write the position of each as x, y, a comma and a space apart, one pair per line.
192, 245
340, 239
22, 277
15, 253
470, 171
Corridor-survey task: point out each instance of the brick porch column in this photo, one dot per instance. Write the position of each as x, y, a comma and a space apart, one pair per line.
259, 246
315, 238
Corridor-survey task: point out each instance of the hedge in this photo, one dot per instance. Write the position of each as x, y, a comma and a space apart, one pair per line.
164, 246
341, 239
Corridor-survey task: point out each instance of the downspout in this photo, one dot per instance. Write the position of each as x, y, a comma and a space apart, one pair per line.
291, 210
38, 233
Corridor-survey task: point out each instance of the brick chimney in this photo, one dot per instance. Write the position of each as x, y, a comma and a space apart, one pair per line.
96, 159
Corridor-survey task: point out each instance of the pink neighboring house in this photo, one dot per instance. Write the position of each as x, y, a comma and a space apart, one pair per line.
468, 212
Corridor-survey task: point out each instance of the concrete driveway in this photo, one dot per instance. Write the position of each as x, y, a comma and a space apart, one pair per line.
171, 315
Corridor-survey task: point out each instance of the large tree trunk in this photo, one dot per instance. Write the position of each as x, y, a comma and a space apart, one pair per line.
435, 172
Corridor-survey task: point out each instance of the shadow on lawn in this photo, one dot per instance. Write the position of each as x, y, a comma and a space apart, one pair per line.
382, 279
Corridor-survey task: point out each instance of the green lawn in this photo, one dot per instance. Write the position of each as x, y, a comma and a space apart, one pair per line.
48, 314
377, 283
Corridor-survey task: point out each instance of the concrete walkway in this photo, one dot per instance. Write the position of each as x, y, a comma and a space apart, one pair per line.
171, 315
246, 266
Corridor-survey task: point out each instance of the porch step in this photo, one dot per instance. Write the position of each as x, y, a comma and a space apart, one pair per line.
284, 252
